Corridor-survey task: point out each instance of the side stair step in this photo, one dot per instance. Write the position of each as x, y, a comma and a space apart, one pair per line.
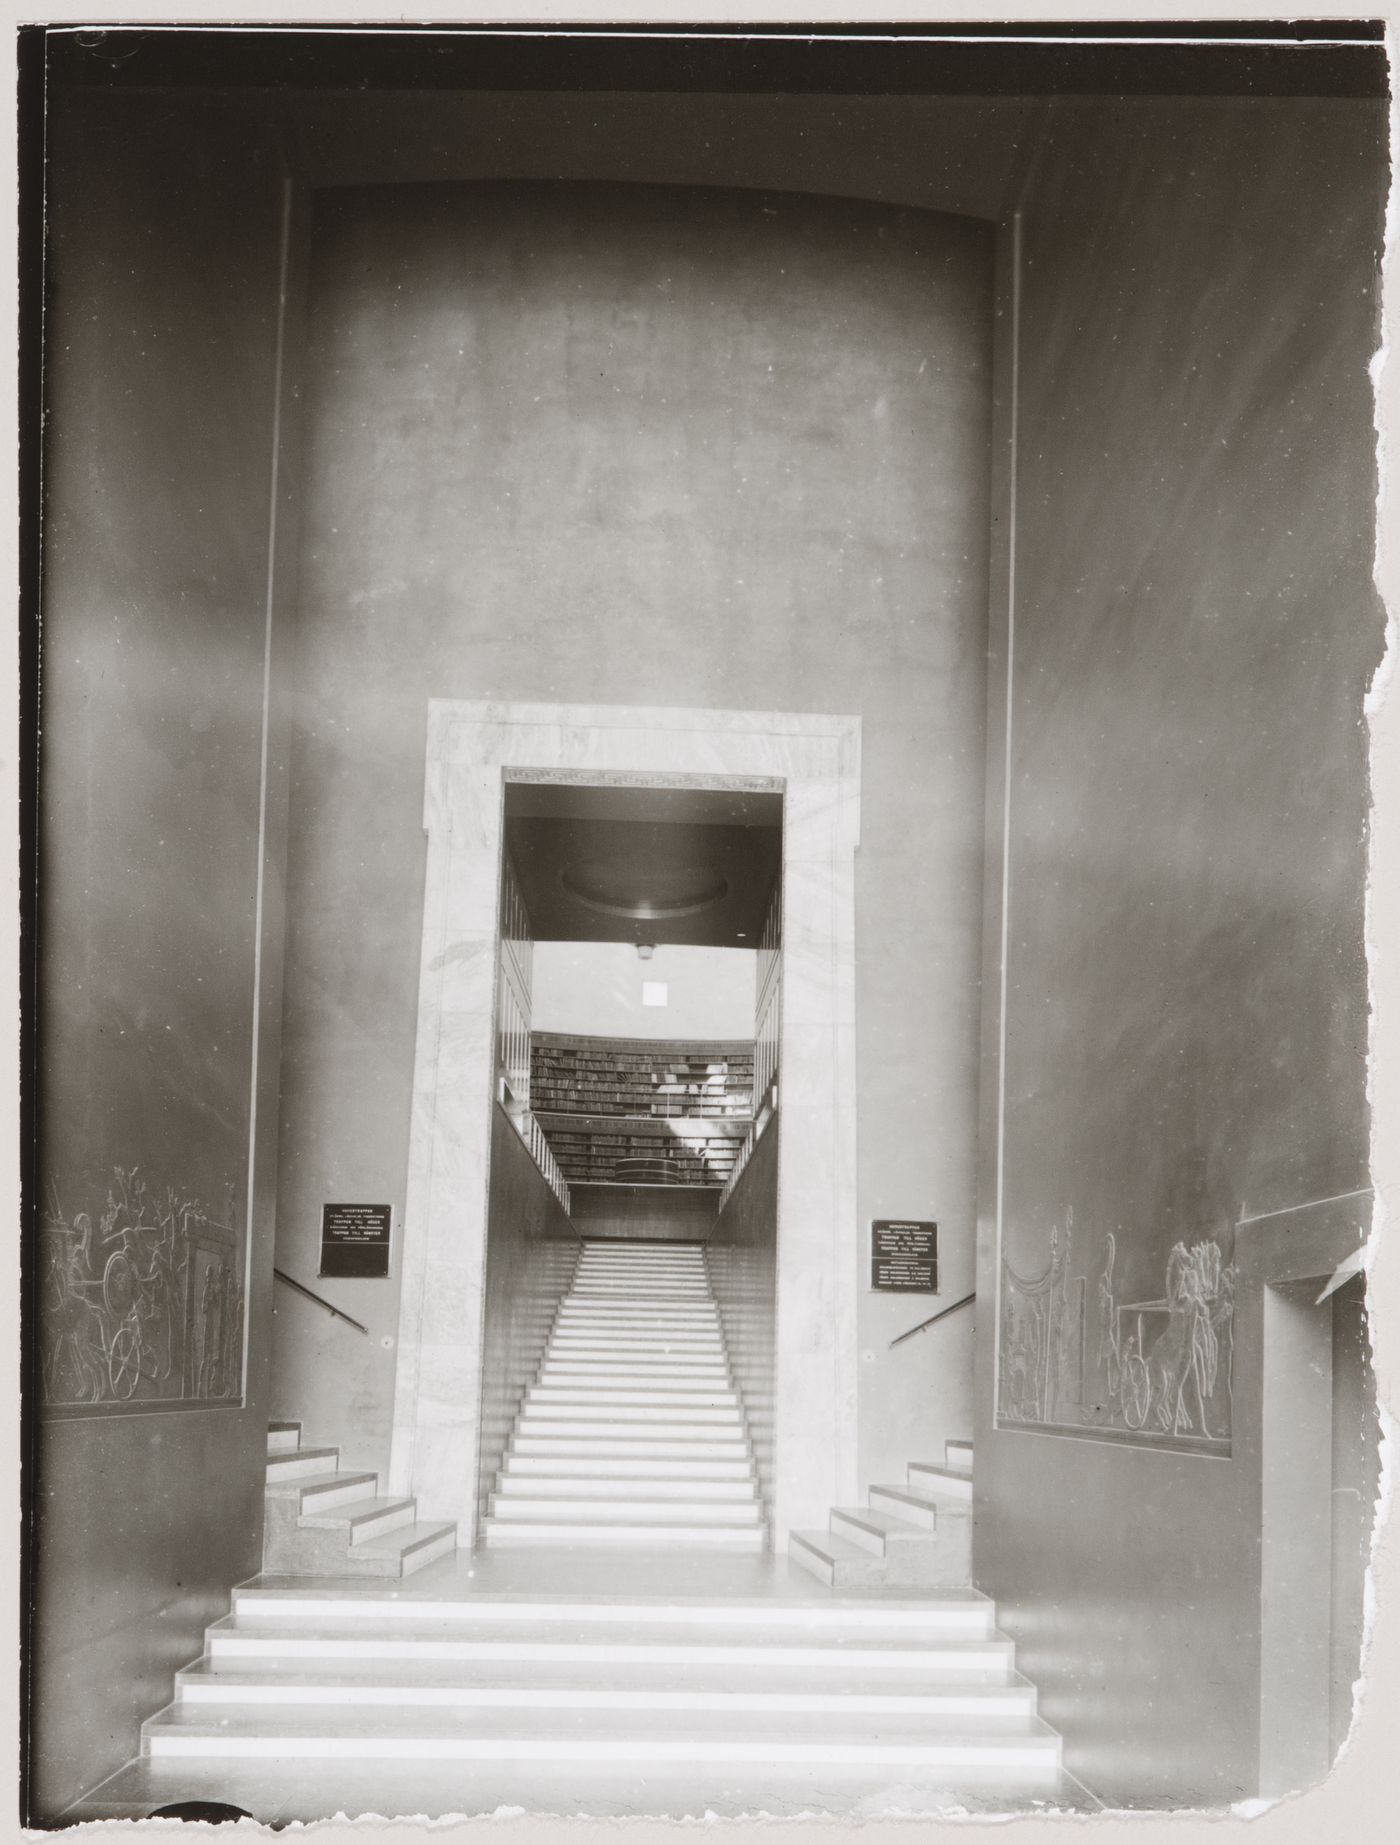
362, 1519
875, 1531
952, 1482
413, 1547
297, 1463
904, 1502
328, 1489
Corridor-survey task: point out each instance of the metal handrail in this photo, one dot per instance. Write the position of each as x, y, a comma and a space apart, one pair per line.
952, 1307
320, 1301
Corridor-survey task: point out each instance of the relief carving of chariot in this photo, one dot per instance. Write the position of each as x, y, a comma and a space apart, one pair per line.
147, 1296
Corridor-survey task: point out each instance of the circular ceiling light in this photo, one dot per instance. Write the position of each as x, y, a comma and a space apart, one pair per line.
643, 893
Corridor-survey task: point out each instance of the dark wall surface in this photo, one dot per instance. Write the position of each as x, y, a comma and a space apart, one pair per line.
165, 250
742, 1257
645, 446
669, 1213
1185, 1024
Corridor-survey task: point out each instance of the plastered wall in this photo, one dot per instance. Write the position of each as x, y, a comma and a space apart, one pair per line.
152, 1258
1184, 1032
662, 446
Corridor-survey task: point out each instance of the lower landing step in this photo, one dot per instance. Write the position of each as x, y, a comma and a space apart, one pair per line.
501, 1533
597, 1737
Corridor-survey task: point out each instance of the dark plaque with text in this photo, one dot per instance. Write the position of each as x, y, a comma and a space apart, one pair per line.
355, 1240
903, 1256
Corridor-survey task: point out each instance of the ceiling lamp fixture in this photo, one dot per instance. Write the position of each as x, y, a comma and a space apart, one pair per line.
645, 950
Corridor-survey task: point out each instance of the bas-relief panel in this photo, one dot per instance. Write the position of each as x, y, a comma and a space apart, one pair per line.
142, 1310
1075, 1357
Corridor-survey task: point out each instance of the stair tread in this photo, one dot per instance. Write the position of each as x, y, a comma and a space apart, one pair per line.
511, 1508
649, 1678
312, 1482
406, 1538
832, 1547
604, 1483
908, 1495
887, 1524
757, 1727
679, 1642
352, 1510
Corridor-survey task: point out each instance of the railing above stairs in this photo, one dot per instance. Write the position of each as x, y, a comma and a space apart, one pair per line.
320, 1300
942, 1313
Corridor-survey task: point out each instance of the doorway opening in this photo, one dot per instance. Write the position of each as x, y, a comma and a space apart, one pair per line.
461, 1141
628, 1393
1321, 1481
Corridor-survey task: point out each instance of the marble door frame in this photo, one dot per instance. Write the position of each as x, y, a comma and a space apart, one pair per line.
473, 748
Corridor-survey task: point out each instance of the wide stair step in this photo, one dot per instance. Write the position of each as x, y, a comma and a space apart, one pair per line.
927, 1687
689, 1737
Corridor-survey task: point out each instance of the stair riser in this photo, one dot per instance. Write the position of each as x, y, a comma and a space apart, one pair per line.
652, 1397
1012, 1712
925, 1516
711, 1380
431, 1552
1027, 1753
283, 1441
609, 1446
281, 1469
369, 1529
516, 1510
535, 1466
365, 1529
686, 1492
685, 1268
656, 1320
645, 1367
502, 1535
986, 1664
629, 1419
628, 1293
617, 1428
868, 1541
325, 1496
943, 1485
679, 1350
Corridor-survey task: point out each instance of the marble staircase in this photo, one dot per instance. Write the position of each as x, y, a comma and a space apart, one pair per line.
325, 1520
918, 1535
613, 1683
634, 1431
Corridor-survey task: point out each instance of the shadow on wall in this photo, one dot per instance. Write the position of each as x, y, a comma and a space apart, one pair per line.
742, 1259
531, 1254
